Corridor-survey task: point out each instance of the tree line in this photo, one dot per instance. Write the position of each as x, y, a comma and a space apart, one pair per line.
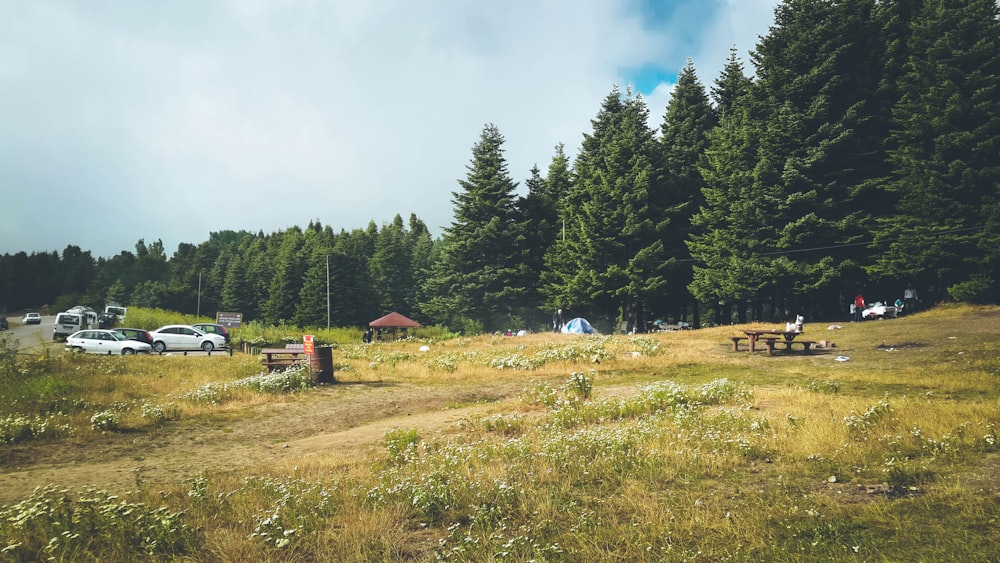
860, 156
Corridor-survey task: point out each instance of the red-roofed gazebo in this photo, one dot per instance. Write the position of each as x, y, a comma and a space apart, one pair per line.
393, 322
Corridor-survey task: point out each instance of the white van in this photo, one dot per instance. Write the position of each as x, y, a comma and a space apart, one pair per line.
116, 310
77, 318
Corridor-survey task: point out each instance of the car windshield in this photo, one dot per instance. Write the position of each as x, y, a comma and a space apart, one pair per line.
117, 336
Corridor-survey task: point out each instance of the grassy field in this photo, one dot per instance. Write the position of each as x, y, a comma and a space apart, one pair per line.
663, 447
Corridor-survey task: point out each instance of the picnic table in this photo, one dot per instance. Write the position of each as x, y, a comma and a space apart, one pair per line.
279, 358
770, 338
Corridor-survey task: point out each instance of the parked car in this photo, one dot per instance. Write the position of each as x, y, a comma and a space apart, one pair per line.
73, 320
184, 337
99, 341
32, 319
139, 334
213, 329
3, 323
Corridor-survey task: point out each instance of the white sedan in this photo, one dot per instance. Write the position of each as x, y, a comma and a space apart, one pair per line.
183, 337
106, 342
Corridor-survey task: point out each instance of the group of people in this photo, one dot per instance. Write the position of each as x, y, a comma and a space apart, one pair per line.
370, 335
907, 304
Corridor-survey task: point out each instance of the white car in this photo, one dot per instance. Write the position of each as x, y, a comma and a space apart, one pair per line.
106, 342
32, 319
183, 337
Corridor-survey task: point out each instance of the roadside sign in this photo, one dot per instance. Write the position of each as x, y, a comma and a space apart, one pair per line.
308, 344
229, 320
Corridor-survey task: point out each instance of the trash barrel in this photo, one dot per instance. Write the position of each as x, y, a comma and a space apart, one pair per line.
322, 364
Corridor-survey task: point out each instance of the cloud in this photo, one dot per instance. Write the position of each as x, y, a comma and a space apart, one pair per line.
125, 120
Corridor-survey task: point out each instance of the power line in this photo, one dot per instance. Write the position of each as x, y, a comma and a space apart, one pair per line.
850, 244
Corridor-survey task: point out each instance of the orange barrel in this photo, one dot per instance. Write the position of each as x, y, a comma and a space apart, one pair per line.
322, 364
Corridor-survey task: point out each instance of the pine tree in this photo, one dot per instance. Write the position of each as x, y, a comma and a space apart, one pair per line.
477, 275
946, 146
391, 269
612, 260
289, 268
422, 257
537, 230
733, 232
731, 86
688, 120
312, 299
354, 299
816, 103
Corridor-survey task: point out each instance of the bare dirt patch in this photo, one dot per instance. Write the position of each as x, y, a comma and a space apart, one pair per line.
331, 418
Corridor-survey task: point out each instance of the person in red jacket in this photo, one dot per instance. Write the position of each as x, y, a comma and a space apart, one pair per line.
859, 307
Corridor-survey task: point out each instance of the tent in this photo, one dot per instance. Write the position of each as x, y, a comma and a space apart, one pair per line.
393, 322
578, 326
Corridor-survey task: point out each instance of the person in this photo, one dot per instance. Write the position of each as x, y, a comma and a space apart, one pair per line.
859, 307
557, 321
909, 299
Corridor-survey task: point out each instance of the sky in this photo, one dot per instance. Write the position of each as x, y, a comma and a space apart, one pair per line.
123, 120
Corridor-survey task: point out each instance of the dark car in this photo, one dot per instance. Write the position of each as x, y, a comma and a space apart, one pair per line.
140, 334
3, 323
213, 329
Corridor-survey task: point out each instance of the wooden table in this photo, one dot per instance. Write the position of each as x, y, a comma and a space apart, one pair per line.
278, 358
788, 336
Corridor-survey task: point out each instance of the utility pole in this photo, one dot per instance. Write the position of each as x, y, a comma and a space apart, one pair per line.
328, 291
199, 293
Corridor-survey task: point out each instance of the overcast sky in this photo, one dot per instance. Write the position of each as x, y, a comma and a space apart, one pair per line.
132, 119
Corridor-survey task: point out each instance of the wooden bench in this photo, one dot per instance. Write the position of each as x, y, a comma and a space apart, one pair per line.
770, 342
281, 358
736, 342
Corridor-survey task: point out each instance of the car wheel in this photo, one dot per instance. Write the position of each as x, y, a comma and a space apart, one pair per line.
127, 351
159, 346
207, 346
78, 350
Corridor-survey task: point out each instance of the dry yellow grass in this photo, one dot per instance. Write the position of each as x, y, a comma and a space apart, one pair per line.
499, 473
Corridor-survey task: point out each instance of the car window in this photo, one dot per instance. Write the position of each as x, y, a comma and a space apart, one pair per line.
190, 332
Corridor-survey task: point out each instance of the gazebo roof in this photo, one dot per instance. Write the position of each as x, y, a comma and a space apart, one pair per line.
394, 320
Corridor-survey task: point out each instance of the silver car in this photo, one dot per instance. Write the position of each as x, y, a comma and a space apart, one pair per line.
106, 342
184, 337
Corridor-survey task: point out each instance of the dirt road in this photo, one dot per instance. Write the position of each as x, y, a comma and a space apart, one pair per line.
343, 417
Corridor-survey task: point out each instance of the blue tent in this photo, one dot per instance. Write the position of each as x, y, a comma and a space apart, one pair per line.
578, 326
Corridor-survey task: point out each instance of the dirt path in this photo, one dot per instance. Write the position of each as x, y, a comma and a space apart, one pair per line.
341, 416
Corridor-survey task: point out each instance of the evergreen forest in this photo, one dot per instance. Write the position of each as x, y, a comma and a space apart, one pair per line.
859, 152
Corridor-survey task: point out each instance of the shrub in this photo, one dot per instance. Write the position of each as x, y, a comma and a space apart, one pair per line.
106, 420
52, 525
18, 428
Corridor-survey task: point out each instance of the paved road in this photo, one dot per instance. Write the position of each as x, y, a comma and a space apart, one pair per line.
34, 337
